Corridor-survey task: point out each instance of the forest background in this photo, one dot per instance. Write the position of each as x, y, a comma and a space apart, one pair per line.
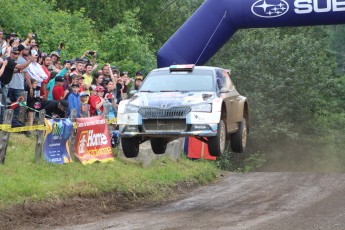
294, 78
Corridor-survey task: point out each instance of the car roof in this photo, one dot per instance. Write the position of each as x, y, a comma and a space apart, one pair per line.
195, 67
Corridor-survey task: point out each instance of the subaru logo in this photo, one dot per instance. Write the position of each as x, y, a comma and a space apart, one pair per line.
270, 8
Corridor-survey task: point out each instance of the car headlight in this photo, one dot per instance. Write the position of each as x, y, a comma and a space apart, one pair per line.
202, 108
131, 109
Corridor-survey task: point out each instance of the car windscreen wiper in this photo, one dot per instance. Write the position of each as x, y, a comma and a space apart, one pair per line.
147, 91
165, 91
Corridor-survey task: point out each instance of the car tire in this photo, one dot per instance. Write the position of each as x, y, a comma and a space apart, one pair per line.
238, 140
158, 145
130, 146
217, 144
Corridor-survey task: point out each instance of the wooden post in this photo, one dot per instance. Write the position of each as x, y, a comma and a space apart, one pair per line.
71, 140
22, 109
40, 136
4, 136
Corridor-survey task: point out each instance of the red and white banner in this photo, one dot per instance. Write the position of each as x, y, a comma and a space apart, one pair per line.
93, 142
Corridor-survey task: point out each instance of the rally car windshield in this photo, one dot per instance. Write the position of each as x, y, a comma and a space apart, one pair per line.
178, 82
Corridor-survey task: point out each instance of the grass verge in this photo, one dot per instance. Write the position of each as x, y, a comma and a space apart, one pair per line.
24, 180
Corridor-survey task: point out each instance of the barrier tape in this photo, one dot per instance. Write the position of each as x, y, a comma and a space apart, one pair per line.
8, 128
111, 121
21, 102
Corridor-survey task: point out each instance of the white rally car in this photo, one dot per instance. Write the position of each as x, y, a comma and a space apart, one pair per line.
180, 101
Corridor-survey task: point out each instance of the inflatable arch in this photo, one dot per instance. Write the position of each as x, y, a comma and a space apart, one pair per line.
217, 20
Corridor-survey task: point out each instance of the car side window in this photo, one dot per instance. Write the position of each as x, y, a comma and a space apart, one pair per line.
229, 83
221, 81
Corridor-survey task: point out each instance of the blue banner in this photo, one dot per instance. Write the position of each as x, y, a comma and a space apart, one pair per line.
56, 148
208, 29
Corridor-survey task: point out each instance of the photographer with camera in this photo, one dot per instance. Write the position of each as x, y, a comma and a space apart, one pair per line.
16, 85
7, 75
91, 53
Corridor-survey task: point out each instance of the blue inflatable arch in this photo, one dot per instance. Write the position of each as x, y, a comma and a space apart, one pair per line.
213, 24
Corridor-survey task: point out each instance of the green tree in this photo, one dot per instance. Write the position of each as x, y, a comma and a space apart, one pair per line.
51, 27
286, 74
338, 46
127, 46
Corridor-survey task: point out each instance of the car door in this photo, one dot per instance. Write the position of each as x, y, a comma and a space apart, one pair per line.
230, 97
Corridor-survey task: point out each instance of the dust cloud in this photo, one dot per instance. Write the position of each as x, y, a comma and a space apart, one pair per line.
307, 154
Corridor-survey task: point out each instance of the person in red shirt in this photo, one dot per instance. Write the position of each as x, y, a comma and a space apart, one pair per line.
58, 91
96, 101
80, 81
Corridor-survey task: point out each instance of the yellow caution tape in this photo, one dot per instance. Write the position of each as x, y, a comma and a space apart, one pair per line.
111, 121
26, 128
7, 127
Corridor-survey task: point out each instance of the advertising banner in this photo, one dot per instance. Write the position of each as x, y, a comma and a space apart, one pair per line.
93, 141
56, 148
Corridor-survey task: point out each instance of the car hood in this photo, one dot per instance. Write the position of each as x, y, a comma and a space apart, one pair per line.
171, 99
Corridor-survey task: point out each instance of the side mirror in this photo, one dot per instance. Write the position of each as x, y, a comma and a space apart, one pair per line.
224, 90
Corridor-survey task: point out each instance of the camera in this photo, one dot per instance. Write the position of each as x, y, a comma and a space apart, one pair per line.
91, 52
34, 52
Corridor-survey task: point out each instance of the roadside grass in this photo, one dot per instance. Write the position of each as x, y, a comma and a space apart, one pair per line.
24, 180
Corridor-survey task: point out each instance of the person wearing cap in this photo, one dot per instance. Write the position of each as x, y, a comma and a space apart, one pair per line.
35, 70
79, 65
58, 91
55, 56
97, 101
84, 97
84, 105
16, 86
8, 73
55, 109
64, 72
73, 99
138, 80
80, 80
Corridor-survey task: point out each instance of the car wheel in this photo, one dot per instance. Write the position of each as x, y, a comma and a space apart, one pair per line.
130, 146
238, 140
158, 145
216, 145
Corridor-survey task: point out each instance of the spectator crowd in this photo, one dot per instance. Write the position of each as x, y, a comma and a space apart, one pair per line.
56, 85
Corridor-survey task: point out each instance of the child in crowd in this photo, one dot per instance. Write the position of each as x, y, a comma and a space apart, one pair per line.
58, 91
74, 100
85, 107
34, 101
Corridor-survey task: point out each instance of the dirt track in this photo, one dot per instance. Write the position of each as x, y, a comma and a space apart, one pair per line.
246, 201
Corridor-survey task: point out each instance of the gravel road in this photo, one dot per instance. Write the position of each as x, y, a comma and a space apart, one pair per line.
257, 201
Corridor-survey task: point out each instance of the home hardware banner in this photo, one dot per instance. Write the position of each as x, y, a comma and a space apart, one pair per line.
56, 149
93, 141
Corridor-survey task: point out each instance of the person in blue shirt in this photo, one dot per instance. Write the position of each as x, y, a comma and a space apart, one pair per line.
74, 100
